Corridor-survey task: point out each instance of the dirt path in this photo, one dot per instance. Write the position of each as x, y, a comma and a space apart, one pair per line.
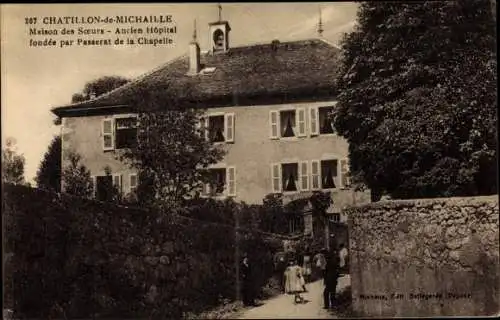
282, 306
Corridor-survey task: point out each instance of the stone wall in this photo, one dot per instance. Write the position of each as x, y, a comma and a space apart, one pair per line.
68, 257
430, 257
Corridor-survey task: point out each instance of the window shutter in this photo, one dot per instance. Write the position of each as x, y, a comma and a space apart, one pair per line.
117, 182
315, 175
132, 182
313, 118
108, 141
301, 115
200, 124
231, 181
304, 176
276, 177
94, 186
229, 123
344, 173
274, 121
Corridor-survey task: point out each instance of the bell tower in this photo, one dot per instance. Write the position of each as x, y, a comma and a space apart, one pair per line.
219, 34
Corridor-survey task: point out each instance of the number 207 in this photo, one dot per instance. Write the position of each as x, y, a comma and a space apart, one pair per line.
30, 20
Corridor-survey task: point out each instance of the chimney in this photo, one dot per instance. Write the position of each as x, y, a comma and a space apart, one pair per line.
194, 54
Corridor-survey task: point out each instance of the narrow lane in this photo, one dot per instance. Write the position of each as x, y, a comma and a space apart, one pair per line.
283, 307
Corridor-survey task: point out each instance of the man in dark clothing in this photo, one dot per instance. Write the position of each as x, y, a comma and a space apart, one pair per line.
247, 286
331, 277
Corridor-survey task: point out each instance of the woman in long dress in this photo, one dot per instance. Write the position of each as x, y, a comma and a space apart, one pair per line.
288, 278
296, 281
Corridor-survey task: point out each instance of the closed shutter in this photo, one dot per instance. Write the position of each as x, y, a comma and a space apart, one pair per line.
229, 127
301, 115
231, 181
313, 121
276, 177
117, 182
274, 121
315, 175
304, 176
108, 141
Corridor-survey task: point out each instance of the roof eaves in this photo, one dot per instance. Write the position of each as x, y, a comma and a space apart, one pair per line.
128, 84
330, 43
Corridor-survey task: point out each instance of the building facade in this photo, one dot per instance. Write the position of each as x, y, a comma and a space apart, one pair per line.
267, 106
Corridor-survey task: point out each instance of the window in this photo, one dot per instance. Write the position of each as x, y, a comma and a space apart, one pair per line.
344, 173
222, 181
329, 176
216, 128
296, 224
335, 217
103, 188
126, 132
289, 177
320, 121
219, 128
119, 133
287, 123
132, 183
325, 120
107, 187
117, 183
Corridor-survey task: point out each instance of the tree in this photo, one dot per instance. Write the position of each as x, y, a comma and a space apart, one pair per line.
171, 154
76, 177
320, 202
417, 98
48, 175
98, 87
12, 163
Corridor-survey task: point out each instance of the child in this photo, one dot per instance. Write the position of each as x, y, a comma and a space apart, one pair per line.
297, 282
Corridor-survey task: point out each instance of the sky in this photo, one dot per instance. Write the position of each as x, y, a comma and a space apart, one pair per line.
37, 79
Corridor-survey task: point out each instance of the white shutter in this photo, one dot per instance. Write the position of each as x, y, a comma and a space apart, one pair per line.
231, 181
200, 124
315, 175
301, 115
108, 141
344, 173
204, 126
132, 182
274, 121
117, 182
94, 186
229, 127
313, 121
276, 177
304, 175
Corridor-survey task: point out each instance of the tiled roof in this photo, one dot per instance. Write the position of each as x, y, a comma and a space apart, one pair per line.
298, 68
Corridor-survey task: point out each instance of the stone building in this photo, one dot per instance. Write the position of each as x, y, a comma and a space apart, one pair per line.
267, 106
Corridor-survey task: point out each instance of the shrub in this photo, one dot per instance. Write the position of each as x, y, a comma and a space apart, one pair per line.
76, 257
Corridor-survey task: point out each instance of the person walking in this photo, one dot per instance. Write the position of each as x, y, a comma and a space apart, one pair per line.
331, 279
320, 263
307, 268
288, 278
297, 282
247, 287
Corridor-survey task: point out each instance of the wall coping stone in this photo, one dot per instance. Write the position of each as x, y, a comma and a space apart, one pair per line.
459, 201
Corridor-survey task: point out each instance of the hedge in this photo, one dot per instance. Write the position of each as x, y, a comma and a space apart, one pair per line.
70, 257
